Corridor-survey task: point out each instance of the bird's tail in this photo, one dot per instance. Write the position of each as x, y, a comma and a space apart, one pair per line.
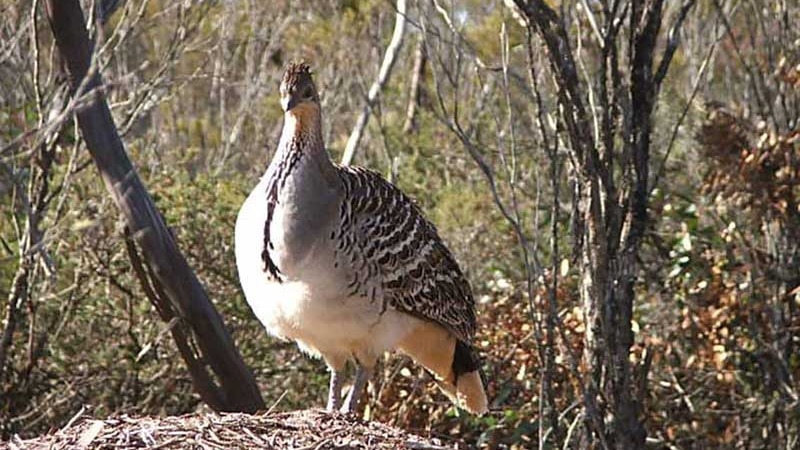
453, 362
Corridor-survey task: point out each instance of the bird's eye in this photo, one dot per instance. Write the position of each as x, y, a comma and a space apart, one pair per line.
308, 93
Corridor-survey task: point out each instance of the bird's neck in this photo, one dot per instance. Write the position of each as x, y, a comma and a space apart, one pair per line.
302, 132
301, 152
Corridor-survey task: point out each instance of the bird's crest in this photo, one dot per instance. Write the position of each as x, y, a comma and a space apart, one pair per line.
297, 73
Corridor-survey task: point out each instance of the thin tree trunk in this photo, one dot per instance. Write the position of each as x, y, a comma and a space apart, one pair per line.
237, 389
612, 215
392, 50
17, 296
415, 91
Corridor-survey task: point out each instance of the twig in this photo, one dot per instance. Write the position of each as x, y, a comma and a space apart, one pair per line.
674, 135
673, 39
392, 50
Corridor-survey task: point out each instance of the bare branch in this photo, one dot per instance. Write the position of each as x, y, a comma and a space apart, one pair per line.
672, 43
673, 137
201, 379
562, 62
392, 50
415, 90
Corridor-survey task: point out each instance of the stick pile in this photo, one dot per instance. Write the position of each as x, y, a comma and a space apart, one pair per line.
309, 429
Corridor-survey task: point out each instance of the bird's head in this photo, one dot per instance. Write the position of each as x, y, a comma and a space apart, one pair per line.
299, 96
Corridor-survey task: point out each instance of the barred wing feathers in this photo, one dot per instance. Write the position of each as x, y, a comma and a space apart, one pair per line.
397, 255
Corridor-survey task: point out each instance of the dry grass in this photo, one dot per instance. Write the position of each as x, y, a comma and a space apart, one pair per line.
308, 429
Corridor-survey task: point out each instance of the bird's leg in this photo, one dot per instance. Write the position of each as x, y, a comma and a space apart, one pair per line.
335, 391
351, 403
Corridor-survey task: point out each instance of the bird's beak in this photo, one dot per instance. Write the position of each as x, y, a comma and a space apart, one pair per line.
288, 102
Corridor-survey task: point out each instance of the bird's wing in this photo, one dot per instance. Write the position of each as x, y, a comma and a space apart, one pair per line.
397, 255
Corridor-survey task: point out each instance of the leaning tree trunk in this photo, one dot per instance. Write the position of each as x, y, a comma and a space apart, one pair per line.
176, 290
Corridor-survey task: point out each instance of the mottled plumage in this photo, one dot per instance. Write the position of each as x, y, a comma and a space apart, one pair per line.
398, 254
341, 261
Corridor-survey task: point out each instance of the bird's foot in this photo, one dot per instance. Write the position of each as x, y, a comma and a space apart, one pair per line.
349, 406
333, 405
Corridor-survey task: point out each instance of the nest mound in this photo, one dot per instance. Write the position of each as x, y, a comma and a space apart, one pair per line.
309, 429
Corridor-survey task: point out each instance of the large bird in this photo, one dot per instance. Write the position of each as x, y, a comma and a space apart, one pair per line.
342, 262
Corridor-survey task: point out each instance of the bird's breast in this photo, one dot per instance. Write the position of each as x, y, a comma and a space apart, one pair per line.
305, 214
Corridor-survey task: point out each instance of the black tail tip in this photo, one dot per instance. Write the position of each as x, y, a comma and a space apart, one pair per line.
465, 359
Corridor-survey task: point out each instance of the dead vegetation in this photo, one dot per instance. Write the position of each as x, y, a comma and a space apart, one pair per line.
308, 429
